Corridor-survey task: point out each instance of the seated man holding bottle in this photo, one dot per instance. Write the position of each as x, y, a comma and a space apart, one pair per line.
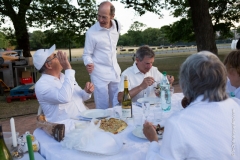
142, 76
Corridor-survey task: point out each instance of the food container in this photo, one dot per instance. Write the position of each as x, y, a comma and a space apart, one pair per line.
8, 139
26, 80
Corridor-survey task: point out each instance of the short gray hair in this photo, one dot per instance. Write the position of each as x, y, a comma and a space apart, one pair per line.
203, 74
43, 69
144, 51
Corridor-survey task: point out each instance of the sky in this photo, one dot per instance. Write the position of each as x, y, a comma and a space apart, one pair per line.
126, 16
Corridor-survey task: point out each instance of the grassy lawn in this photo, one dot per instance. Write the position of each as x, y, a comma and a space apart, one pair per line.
169, 62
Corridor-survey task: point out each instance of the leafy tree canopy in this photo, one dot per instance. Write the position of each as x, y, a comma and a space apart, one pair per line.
223, 15
137, 26
57, 14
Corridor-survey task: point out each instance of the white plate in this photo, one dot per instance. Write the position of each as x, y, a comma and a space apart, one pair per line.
95, 113
151, 100
138, 132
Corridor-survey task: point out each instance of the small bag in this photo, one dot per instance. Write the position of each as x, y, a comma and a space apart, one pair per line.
54, 129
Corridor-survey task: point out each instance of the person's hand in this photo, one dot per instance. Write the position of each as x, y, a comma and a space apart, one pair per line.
157, 91
148, 81
90, 67
63, 60
184, 102
89, 87
170, 79
150, 132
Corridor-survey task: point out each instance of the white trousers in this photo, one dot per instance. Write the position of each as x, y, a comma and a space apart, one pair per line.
105, 93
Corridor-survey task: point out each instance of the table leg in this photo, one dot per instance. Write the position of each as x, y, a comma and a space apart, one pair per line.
16, 76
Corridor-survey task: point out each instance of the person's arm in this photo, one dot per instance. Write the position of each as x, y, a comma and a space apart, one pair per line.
63, 60
148, 81
175, 139
85, 93
52, 94
150, 133
170, 79
173, 146
88, 52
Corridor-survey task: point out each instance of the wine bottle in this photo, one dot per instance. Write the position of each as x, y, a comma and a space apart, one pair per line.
127, 101
4, 152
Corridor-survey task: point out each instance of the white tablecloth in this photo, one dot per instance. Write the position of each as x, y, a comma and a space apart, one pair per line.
37, 156
134, 148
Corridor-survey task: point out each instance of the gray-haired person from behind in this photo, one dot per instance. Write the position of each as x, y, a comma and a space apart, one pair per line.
207, 128
203, 74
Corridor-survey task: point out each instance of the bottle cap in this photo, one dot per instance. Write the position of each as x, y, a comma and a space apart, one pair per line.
125, 78
232, 94
164, 73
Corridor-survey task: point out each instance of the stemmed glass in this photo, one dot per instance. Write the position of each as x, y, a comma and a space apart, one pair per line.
146, 109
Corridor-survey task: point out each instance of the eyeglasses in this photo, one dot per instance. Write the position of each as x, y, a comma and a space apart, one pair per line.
54, 56
103, 17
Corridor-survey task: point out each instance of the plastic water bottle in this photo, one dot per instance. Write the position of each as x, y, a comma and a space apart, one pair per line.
165, 96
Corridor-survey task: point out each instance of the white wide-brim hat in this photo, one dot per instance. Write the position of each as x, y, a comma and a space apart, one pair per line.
41, 55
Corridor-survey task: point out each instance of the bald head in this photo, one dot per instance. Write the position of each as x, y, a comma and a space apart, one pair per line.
106, 13
106, 5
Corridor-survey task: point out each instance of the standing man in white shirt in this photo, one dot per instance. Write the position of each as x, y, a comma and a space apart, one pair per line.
100, 56
59, 95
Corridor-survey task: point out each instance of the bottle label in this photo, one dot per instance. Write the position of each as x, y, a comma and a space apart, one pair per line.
126, 113
165, 99
125, 84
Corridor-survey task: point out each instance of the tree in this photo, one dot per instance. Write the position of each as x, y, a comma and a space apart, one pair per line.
57, 14
203, 27
238, 29
208, 17
3, 41
37, 39
134, 33
181, 30
137, 26
206, 12
151, 36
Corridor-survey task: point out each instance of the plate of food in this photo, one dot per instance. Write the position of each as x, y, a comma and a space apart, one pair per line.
113, 125
95, 113
151, 100
138, 132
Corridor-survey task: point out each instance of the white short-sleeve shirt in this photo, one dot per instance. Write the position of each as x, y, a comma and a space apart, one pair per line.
135, 78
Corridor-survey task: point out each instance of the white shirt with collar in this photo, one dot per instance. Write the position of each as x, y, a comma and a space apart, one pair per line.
135, 78
203, 130
100, 49
60, 98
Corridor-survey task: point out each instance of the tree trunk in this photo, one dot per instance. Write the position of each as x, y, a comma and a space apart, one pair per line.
203, 26
22, 38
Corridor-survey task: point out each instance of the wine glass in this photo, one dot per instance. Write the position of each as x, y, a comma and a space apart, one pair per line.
146, 109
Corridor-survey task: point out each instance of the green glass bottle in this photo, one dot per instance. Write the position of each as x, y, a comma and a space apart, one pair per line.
127, 101
4, 152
